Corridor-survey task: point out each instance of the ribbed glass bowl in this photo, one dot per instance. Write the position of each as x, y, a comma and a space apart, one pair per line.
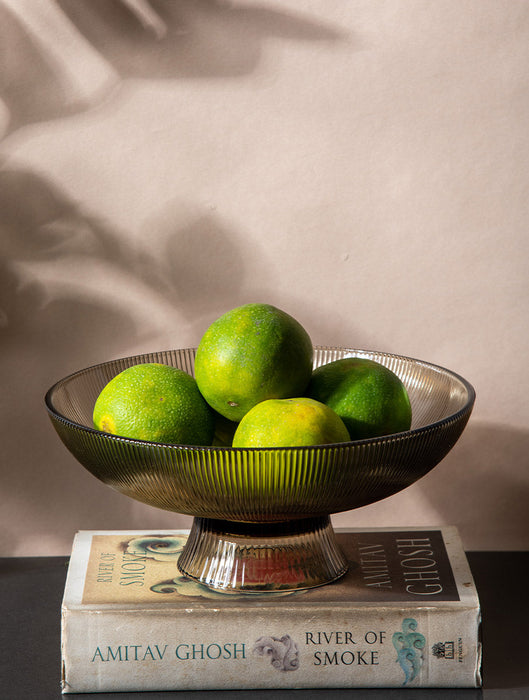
263, 500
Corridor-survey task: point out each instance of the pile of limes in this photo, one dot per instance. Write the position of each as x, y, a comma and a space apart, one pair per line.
254, 386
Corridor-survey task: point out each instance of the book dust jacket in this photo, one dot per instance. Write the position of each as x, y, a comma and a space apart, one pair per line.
406, 614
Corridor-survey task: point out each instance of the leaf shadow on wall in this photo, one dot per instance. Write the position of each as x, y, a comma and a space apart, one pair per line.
201, 263
57, 315
69, 58
200, 38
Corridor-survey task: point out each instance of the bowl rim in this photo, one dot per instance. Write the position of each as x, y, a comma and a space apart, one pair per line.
359, 352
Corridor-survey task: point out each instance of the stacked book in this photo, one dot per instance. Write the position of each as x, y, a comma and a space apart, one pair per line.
406, 614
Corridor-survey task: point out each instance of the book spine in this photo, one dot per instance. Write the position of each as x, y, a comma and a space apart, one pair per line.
342, 647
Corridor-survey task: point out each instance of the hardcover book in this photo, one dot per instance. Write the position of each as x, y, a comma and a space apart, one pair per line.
406, 614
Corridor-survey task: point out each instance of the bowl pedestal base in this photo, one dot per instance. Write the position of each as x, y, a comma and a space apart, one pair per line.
242, 557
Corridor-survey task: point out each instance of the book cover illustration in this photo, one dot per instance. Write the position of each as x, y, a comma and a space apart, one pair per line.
383, 567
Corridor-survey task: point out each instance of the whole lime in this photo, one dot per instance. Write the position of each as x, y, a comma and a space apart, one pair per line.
294, 422
369, 397
155, 402
252, 353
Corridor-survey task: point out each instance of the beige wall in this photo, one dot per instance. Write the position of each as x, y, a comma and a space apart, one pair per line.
363, 165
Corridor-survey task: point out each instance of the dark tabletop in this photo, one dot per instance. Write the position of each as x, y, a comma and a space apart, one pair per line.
30, 597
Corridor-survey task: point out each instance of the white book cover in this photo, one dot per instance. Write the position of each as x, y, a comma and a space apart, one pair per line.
406, 614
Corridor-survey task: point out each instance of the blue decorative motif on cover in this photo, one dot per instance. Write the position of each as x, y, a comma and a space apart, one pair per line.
408, 644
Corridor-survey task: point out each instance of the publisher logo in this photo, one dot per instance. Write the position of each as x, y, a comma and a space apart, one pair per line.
444, 650
449, 650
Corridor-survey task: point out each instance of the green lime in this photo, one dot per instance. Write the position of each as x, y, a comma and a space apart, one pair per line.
369, 397
290, 422
155, 402
252, 353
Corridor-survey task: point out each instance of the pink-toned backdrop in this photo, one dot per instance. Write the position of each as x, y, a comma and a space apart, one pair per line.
362, 165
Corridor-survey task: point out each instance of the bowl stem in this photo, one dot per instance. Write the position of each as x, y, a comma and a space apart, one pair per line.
257, 557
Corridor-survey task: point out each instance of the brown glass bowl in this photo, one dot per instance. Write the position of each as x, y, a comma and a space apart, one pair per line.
275, 500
